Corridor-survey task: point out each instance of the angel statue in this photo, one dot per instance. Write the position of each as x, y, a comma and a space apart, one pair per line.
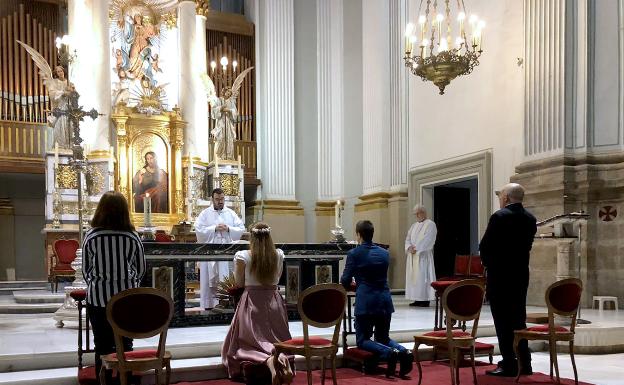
225, 114
59, 89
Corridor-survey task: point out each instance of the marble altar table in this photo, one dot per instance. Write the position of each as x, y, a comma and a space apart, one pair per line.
171, 265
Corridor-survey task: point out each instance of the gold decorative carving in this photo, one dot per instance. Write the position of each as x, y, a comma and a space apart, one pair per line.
230, 184
202, 7
179, 198
66, 177
95, 179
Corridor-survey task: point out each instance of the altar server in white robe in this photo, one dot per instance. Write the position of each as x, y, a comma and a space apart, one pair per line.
216, 224
420, 268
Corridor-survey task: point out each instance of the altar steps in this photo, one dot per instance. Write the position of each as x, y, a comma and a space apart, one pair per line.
31, 301
8, 287
186, 369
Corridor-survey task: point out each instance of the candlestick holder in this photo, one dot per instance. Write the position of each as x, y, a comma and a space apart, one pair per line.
338, 234
57, 204
149, 233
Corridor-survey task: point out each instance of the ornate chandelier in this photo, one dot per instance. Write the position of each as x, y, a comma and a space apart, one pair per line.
433, 54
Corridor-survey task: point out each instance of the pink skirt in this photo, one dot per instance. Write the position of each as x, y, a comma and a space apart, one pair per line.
259, 321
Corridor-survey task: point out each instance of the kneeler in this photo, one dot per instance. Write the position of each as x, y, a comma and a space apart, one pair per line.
364, 358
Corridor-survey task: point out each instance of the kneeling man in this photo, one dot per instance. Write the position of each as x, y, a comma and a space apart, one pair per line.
368, 264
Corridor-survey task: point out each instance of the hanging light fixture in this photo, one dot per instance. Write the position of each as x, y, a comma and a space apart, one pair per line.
432, 53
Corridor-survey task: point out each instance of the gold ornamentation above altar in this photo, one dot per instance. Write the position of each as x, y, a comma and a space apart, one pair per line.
138, 30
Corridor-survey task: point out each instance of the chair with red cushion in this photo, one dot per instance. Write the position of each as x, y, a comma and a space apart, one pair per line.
461, 271
139, 313
320, 306
86, 374
64, 254
563, 299
462, 301
363, 357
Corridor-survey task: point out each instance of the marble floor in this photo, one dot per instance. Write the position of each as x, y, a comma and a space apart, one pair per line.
26, 336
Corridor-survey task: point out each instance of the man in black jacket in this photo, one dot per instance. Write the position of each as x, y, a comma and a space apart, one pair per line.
505, 250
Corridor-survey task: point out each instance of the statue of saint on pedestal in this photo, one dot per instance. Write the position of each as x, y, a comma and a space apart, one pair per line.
59, 89
225, 114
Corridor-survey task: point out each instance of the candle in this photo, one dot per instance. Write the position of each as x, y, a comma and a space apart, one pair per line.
240, 167
216, 163
147, 210
111, 167
337, 213
409, 29
56, 155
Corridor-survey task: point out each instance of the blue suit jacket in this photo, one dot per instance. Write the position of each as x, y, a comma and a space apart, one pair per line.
369, 265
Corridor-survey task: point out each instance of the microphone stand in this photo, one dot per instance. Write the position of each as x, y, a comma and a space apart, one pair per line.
579, 320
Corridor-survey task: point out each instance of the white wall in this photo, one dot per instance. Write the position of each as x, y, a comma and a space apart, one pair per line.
478, 111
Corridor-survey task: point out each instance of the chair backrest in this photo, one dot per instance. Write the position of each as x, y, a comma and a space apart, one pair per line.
65, 250
563, 298
322, 306
140, 312
462, 301
462, 265
476, 267
161, 236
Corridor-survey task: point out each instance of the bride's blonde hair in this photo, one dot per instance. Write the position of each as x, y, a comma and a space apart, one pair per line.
263, 253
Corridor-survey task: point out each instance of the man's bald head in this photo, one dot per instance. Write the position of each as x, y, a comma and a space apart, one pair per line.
510, 193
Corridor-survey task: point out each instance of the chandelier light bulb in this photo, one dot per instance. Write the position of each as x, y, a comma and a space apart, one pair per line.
224, 61
461, 16
213, 65
409, 29
422, 19
473, 18
234, 64
425, 43
413, 39
439, 17
481, 24
443, 45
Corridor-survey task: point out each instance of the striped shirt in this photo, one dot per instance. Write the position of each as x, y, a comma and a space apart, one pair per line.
113, 261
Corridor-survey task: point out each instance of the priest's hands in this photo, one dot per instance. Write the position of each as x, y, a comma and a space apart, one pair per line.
411, 249
222, 227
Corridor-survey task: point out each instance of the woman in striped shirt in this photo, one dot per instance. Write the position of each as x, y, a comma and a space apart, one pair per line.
113, 261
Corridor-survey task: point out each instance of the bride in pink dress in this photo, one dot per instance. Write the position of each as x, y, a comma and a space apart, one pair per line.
260, 318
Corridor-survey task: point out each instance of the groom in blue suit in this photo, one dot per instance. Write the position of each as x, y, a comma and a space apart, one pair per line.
368, 264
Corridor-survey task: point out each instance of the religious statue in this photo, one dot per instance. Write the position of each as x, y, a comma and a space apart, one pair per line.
59, 89
225, 114
152, 180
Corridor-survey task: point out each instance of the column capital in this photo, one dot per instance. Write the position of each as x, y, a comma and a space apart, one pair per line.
202, 7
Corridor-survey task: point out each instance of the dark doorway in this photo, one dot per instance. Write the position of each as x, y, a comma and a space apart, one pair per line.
453, 205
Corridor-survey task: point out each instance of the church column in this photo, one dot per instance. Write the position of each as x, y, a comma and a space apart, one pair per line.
330, 114
101, 87
277, 205
200, 67
385, 128
187, 88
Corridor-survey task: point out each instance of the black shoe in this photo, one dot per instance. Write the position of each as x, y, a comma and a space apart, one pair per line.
526, 371
392, 363
500, 372
415, 303
406, 359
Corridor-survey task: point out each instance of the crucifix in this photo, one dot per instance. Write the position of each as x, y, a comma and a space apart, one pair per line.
75, 115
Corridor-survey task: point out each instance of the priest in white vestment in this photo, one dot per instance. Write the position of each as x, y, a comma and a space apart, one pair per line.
216, 224
420, 268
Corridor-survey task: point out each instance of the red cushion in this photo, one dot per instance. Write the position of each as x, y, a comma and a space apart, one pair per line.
78, 295
65, 250
544, 329
136, 354
86, 376
441, 285
358, 354
314, 341
442, 333
479, 347
476, 267
462, 264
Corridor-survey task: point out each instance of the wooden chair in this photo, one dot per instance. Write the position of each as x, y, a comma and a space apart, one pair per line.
86, 374
321, 306
461, 271
60, 266
563, 299
139, 313
462, 301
